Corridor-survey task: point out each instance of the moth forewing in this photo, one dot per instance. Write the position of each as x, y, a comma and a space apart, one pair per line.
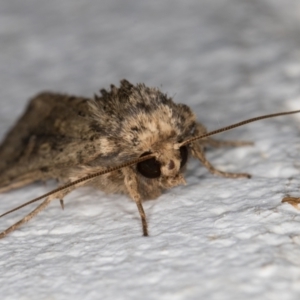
133, 140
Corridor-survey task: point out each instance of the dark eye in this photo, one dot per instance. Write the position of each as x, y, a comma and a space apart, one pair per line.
184, 155
149, 168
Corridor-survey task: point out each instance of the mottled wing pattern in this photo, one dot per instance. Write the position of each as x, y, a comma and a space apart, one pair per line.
54, 133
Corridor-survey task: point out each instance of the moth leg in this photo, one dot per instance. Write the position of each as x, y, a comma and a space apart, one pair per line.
60, 195
200, 129
198, 152
219, 143
61, 201
12, 228
132, 187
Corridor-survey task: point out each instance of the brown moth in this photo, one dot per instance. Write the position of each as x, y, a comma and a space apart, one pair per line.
132, 139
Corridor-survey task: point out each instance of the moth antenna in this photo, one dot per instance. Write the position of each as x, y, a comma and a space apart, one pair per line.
237, 125
40, 207
81, 180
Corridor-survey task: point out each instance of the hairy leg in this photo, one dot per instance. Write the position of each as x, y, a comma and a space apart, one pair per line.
198, 152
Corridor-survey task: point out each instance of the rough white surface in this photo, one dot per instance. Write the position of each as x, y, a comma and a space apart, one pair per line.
215, 238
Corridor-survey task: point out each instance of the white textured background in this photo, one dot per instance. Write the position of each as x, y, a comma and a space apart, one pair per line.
215, 238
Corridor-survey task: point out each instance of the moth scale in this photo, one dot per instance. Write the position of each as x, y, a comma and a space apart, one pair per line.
133, 140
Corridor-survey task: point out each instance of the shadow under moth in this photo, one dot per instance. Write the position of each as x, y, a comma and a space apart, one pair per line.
133, 140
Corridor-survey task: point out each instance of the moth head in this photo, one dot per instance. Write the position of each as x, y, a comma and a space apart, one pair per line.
166, 166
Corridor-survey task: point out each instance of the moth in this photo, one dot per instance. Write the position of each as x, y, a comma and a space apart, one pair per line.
133, 140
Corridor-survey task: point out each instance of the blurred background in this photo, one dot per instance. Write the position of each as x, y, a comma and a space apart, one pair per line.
220, 239
229, 51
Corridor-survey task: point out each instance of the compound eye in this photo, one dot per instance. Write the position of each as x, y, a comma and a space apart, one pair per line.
149, 168
184, 155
